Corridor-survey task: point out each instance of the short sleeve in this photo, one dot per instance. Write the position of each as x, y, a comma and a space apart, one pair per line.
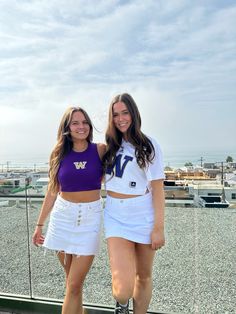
155, 170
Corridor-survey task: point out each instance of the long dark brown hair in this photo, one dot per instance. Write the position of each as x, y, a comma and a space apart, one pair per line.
144, 150
64, 145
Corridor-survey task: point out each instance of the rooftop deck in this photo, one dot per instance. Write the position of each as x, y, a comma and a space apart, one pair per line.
194, 273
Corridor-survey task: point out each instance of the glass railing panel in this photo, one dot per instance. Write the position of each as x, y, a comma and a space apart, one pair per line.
47, 274
215, 256
14, 263
173, 274
193, 273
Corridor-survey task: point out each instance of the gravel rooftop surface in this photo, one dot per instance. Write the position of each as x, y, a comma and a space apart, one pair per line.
194, 273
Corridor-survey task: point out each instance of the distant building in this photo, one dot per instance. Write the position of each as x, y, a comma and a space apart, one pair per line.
231, 165
187, 173
210, 165
213, 173
230, 179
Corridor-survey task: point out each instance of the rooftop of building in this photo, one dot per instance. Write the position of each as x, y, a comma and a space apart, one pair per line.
193, 273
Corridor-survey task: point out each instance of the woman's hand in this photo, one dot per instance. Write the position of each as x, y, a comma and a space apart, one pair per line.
38, 237
158, 197
157, 239
47, 205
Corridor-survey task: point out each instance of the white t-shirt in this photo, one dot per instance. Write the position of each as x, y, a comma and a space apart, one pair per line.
128, 177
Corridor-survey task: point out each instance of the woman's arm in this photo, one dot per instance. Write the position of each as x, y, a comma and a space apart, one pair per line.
158, 196
47, 206
101, 149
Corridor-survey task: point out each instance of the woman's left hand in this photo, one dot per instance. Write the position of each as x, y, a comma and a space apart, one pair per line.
157, 239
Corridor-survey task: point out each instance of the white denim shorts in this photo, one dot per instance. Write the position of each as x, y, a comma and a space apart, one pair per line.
131, 218
74, 228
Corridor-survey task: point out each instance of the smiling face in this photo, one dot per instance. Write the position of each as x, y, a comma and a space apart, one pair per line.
121, 117
79, 126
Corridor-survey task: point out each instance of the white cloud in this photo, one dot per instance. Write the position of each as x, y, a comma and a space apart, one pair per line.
177, 58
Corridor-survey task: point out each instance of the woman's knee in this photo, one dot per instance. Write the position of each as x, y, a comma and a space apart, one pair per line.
122, 289
74, 287
143, 279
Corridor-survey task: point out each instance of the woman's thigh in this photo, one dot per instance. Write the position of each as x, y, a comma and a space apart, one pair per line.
65, 260
79, 268
122, 259
144, 260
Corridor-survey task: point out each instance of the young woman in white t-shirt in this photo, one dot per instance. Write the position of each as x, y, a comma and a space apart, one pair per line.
134, 211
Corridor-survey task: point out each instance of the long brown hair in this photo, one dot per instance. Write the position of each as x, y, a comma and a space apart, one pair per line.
64, 145
144, 150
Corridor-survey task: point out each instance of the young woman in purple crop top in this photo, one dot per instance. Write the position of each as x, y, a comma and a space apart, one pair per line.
74, 202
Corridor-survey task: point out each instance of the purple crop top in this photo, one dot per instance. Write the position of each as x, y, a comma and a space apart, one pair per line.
81, 171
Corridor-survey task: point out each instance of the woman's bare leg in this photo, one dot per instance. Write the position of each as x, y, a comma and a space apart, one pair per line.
65, 260
143, 281
122, 264
79, 268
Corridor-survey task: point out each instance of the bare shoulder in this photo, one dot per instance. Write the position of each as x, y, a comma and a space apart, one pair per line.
101, 149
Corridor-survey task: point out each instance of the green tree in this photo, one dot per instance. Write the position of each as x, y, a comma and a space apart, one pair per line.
188, 164
229, 159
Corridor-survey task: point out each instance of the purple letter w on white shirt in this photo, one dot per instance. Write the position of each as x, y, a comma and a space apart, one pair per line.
119, 168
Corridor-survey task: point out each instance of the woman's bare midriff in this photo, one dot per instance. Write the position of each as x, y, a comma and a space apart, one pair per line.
120, 195
82, 196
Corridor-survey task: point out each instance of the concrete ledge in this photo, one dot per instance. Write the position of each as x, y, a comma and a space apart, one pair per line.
22, 304
16, 304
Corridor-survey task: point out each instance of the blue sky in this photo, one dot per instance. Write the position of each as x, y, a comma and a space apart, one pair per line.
175, 57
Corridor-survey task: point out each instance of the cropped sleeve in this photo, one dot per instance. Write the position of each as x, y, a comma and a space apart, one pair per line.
155, 169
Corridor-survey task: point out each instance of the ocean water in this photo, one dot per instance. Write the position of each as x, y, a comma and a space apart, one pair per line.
178, 159
172, 159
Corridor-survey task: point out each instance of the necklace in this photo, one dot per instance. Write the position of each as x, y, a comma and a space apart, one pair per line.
80, 149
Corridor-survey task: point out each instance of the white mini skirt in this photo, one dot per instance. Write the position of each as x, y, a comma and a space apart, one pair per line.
131, 218
74, 228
